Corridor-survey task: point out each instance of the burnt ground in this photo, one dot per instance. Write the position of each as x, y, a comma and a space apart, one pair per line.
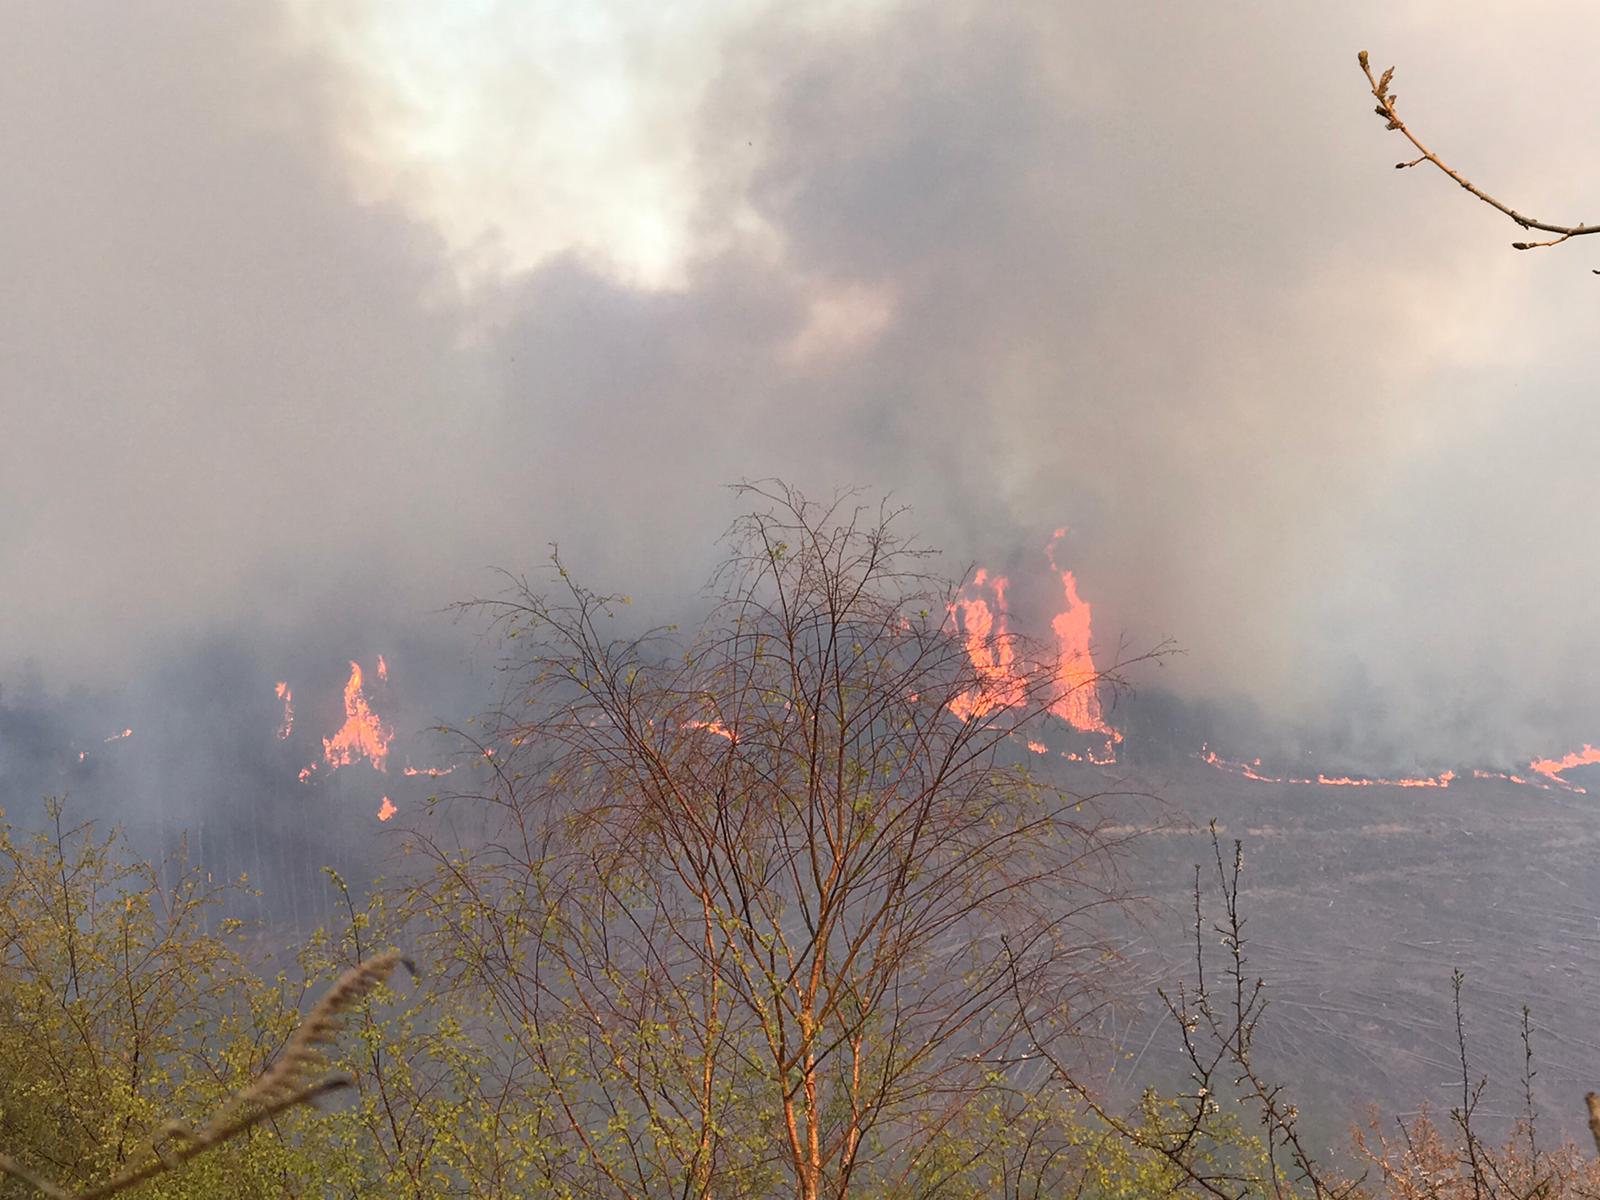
1359, 904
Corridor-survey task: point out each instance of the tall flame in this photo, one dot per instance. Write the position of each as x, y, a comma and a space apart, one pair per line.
1077, 696
991, 649
386, 809
1002, 683
362, 735
287, 697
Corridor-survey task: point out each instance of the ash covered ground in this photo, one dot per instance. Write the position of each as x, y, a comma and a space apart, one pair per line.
1360, 902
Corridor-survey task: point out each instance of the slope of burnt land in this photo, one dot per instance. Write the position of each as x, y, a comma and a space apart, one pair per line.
1360, 901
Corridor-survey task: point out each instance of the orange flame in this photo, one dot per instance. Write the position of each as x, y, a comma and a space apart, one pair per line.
991, 649
386, 809
1509, 778
1001, 682
362, 735
287, 697
431, 772
1078, 699
117, 737
1552, 768
1250, 771
383, 669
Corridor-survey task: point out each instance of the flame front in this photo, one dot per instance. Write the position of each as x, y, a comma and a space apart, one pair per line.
362, 735
386, 809
1252, 770
1551, 768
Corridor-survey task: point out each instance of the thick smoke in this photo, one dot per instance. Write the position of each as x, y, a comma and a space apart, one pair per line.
1143, 271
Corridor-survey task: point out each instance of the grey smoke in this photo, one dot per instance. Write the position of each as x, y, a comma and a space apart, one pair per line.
1140, 270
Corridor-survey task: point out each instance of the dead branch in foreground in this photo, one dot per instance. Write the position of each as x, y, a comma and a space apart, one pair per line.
282, 1086
1386, 109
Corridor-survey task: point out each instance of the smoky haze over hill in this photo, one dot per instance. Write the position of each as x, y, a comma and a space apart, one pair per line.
1021, 267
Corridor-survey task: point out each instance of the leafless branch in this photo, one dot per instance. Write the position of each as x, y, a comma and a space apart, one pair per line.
1386, 109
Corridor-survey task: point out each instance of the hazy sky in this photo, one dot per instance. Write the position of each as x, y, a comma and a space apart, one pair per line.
311, 312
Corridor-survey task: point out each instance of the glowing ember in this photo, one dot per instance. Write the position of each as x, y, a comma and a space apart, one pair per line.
1038, 747
117, 737
383, 669
713, 727
431, 772
305, 773
362, 735
82, 754
1552, 768
287, 697
386, 809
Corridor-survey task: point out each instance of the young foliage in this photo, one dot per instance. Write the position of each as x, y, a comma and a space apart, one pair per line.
751, 906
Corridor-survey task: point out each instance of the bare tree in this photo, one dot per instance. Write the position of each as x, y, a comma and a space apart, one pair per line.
1386, 110
754, 905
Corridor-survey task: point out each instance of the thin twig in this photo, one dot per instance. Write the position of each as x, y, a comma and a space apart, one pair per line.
1386, 109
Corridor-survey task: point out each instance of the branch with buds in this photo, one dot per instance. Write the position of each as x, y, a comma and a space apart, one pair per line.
1386, 109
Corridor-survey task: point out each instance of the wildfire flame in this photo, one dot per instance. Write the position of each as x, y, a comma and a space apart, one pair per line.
1517, 779
362, 735
1552, 768
991, 649
1077, 699
431, 772
383, 669
1251, 770
117, 737
980, 612
386, 809
287, 697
